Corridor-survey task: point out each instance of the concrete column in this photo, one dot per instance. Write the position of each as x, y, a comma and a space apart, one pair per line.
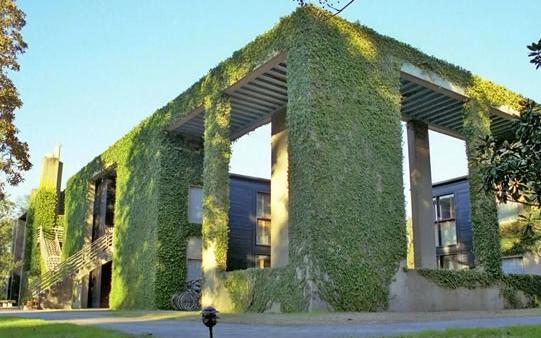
483, 208
424, 244
279, 191
51, 171
214, 229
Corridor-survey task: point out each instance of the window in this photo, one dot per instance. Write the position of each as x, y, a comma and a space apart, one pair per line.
263, 222
193, 269
262, 261
445, 222
195, 205
453, 262
193, 255
512, 264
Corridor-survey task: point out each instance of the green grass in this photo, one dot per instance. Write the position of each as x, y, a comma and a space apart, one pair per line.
11, 327
508, 332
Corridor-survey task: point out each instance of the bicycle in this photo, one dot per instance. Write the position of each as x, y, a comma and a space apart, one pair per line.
189, 299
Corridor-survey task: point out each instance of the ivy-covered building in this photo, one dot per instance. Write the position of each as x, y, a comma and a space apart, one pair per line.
335, 94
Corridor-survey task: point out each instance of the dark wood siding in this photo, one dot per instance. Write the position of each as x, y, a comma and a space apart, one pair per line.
242, 220
460, 189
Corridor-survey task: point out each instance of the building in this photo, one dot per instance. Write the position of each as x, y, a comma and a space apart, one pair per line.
335, 94
454, 235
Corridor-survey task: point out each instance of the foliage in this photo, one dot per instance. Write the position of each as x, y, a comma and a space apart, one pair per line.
451, 279
484, 95
530, 285
328, 5
535, 53
523, 234
344, 138
174, 230
512, 166
216, 180
509, 285
260, 290
41, 213
7, 263
13, 152
136, 160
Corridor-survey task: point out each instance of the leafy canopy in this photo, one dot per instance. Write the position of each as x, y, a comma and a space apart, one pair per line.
334, 6
535, 53
13, 152
6, 226
513, 165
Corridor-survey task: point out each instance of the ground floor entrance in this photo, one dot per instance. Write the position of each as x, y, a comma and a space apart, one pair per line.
99, 286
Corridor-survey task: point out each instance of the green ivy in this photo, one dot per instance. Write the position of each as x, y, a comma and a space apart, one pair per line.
216, 179
346, 206
41, 213
483, 96
258, 290
509, 285
450, 279
181, 167
530, 285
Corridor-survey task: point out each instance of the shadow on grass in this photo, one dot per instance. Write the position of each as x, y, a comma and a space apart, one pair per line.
29, 328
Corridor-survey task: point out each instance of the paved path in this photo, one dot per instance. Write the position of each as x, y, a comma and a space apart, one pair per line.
192, 328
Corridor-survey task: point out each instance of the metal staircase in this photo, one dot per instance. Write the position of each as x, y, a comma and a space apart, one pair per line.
50, 249
78, 265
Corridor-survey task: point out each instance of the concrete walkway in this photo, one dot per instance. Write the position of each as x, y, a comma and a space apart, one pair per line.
191, 327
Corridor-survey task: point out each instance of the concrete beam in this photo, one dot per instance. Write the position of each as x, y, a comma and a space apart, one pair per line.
424, 244
439, 84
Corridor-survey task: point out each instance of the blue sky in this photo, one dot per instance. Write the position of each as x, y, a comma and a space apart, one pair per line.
94, 69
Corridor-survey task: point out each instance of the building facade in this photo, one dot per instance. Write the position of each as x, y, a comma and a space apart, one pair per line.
335, 94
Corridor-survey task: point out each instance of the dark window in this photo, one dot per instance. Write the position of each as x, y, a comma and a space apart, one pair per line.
110, 203
445, 222
104, 204
263, 222
454, 262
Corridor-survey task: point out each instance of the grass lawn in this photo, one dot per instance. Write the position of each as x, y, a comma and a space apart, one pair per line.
11, 327
512, 331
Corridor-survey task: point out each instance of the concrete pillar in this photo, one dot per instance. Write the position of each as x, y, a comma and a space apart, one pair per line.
51, 171
424, 244
279, 191
214, 229
483, 208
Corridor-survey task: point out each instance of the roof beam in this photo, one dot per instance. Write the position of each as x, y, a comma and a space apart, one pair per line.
177, 123
264, 68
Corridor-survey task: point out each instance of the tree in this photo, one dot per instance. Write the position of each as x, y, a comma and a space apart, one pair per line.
7, 263
330, 5
512, 166
535, 53
14, 159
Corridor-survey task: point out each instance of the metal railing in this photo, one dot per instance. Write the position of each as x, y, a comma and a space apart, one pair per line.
50, 248
83, 261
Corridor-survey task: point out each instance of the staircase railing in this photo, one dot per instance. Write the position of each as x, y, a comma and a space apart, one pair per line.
50, 247
82, 262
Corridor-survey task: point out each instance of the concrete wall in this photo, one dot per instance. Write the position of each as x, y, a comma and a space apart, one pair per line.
412, 292
531, 263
